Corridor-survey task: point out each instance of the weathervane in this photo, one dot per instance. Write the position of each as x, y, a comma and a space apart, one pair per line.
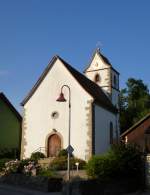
99, 45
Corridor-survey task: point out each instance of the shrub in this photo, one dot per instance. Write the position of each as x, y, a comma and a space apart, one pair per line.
2, 163
63, 153
101, 167
26, 166
129, 160
121, 162
37, 155
60, 163
46, 173
23, 163
32, 168
10, 153
11, 166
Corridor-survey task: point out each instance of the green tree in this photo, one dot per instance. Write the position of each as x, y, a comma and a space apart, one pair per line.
134, 103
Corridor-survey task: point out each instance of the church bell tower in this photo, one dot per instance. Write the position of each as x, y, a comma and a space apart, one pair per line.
101, 72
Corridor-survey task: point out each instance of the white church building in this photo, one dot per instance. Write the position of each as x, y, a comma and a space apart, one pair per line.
92, 117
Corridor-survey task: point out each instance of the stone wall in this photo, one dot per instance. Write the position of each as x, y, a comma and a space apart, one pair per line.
94, 187
77, 186
73, 174
36, 183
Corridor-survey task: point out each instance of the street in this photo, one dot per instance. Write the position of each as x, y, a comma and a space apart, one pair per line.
139, 193
12, 190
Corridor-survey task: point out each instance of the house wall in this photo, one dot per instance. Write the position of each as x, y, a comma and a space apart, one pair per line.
102, 129
137, 135
38, 123
10, 128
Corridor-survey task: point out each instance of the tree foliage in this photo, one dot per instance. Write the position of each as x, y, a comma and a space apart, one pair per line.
134, 103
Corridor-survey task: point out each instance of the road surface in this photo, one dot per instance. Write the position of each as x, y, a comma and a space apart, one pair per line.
11, 190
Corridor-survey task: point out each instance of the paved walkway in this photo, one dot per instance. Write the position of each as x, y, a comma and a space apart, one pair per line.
12, 190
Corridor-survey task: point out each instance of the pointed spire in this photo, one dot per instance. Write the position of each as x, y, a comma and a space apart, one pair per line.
98, 50
98, 46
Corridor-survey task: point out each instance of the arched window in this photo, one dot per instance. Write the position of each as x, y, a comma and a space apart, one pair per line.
115, 80
97, 78
111, 133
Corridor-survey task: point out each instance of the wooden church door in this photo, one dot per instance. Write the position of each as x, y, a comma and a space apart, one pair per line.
54, 145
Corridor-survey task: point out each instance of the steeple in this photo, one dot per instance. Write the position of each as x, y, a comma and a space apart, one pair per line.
101, 72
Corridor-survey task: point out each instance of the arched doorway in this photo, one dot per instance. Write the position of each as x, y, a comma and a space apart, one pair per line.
54, 145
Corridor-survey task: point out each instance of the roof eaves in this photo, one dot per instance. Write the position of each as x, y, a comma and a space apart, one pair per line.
135, 125
13, 109
107, 104
94, 53
81, 79
115, 70
104, 59
112, 109
31, 92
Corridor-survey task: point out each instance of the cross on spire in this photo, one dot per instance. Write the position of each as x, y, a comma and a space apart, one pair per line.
98, 45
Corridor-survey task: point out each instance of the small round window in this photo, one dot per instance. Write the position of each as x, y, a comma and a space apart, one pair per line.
54, 115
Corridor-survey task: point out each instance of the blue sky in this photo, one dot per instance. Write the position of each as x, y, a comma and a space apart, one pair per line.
32, 31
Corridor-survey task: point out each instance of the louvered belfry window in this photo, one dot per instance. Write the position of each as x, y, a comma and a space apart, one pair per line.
97, 78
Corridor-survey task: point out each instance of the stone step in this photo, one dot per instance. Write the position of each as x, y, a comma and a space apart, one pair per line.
45, 162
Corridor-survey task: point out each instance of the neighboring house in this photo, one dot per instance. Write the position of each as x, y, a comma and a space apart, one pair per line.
94, 114
139, 134
10, 125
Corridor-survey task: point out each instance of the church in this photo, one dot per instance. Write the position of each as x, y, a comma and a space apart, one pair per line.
68, 109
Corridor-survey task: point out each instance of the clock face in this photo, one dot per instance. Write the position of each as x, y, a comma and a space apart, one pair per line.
54, 115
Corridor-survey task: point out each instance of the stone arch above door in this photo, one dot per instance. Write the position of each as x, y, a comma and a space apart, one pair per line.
54, 144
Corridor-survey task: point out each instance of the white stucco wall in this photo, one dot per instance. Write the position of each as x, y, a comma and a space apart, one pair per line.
97, 63
115, 97
106, 73
38, 122
104, 76
102, 129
